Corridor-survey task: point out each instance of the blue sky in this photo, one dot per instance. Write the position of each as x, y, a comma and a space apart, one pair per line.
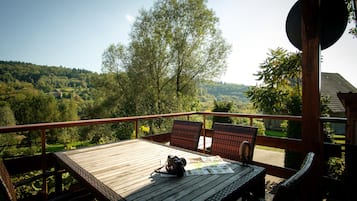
74, 33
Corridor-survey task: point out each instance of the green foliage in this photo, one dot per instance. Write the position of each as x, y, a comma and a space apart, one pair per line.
260, 126
209, 91
34, 94
221, 106
352, 18
281, 76
172, 47
35, 187
336, 167
145, 129
280, 93
7, 117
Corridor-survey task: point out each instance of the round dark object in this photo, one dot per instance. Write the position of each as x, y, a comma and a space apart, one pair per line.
334, 17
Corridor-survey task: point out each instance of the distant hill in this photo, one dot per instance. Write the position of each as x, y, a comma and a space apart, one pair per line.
62, 82
27, 72
52, 79
224, 91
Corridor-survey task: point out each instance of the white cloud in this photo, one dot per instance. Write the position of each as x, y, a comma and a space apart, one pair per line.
130, 18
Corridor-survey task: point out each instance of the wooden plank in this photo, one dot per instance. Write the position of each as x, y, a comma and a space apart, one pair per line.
100, 190
282, 143
163, 137
276, 170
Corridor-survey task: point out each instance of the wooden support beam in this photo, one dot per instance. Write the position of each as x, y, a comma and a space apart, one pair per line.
311, 76
311, 136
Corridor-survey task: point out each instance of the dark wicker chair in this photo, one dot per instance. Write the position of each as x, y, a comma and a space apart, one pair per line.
290, 189
8, 193
228, 138
186, 134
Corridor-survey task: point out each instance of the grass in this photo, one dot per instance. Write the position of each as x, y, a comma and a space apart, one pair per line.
339, 139
54, 147
61, 147
274, 133
269, 148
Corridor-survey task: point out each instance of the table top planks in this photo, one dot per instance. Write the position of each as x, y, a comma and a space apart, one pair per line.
124, 171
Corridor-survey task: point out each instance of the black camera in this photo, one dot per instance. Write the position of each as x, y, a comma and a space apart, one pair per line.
175, 165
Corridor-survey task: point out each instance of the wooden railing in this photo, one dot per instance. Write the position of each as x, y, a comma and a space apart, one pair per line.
290, 144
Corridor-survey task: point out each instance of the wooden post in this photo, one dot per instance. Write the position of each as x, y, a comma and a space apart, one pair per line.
136, 129
44, 164
311, 136
204, 133
58, 179
349, 101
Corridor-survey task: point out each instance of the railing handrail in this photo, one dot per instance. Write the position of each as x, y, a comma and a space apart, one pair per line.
333, 119
42, 126
254, 116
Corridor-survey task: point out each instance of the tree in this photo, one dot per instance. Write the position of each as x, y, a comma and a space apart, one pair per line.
352, 17
7, 118
222, 106
172, 46
281, 77
280, 93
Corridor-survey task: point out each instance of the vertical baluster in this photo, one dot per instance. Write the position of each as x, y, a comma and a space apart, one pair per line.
44, 164
136, 128
204, 133
58, 179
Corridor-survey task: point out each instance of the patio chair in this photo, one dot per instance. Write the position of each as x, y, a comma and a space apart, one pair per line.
290, 189
228, 138
186, 134
8, 193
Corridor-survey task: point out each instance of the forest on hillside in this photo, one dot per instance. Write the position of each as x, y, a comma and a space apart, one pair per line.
32, 93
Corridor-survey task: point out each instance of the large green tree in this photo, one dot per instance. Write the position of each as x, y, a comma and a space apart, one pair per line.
280, 75
222, 106
280, 93
172, 46
7, 118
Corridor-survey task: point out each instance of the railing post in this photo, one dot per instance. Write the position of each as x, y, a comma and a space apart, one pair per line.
58, 179
204, 133
136, 128
44, 164
251, 121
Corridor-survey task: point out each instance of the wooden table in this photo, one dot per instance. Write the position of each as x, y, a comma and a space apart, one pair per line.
123, 171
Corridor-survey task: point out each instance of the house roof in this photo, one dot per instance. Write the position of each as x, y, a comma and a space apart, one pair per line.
331, 84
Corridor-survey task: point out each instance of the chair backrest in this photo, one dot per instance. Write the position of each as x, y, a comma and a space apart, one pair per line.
186, 134
227, 139
290, 188
7, 190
